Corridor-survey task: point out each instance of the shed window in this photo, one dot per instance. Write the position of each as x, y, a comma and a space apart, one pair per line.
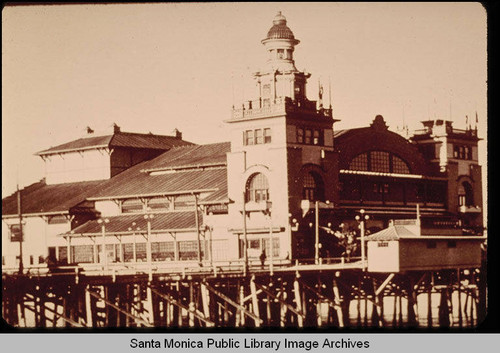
431, 244
452, 244
382, 244
132, 206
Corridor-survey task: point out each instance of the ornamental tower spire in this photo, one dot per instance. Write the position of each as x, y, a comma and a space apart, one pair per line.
280, 78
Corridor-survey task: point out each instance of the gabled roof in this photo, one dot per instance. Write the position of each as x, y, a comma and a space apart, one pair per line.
118, 139
393, 232
179, 170
40, 198
161, 222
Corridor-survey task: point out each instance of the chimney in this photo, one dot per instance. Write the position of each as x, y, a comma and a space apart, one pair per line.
89, 130
116, 128
177, 134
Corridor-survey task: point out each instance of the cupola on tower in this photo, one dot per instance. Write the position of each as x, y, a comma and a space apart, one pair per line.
280, 77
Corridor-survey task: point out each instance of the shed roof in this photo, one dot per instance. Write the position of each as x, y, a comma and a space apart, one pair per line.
393, 232
118, 139
179, 170
161, 222
40, 198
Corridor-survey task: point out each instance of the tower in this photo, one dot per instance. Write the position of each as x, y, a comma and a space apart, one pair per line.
281, 153
454, 152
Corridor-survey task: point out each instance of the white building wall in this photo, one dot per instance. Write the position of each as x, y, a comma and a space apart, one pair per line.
107, 208
383, 259
38, 236
78, 166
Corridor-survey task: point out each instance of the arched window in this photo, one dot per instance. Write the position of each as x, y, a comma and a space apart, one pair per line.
257, 188
313, 188
379, 161
466, 195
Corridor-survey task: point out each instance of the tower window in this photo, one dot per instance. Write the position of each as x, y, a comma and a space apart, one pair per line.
308, 140
300, 135
267, 135
312, 187
281, 53
316, 139
259, 138
257, 188
249, 137
466, 194
266, 91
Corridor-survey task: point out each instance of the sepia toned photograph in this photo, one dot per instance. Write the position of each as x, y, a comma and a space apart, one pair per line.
244, 165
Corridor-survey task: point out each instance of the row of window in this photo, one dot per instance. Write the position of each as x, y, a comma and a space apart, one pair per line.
257, 188
257, 136
462, 152
280, 54
431, 244
310, 136
160, 251
179, 203
379, 161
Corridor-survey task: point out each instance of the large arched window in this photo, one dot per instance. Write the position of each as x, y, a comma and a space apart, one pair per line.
257, 188
379, 161
313, 188
465, 194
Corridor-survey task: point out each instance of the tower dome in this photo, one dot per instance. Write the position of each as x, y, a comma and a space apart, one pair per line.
280, 30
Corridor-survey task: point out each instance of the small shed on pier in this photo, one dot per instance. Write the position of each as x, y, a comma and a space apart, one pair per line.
402, 247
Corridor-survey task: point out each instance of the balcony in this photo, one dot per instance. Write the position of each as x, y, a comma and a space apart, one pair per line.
469, 209
259, 206
262, 109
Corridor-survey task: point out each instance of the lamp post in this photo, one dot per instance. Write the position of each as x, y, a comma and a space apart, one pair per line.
245, 240
361, 219
149, 257
316, 232
132, 231
271, 247
104, 260
210, 249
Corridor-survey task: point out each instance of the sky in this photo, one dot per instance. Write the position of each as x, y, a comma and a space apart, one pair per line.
157, 67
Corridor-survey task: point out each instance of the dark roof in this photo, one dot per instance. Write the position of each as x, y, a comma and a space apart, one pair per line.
280, 30
42, 198
119, 139
160, 222
191, 156
196, 168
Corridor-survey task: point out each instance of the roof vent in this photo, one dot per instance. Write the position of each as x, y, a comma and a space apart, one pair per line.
177, 134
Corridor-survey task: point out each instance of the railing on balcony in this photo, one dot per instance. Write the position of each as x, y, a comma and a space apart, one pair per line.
469, 209
281, 105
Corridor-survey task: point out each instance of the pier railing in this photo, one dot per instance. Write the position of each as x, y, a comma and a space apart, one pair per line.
184, 269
